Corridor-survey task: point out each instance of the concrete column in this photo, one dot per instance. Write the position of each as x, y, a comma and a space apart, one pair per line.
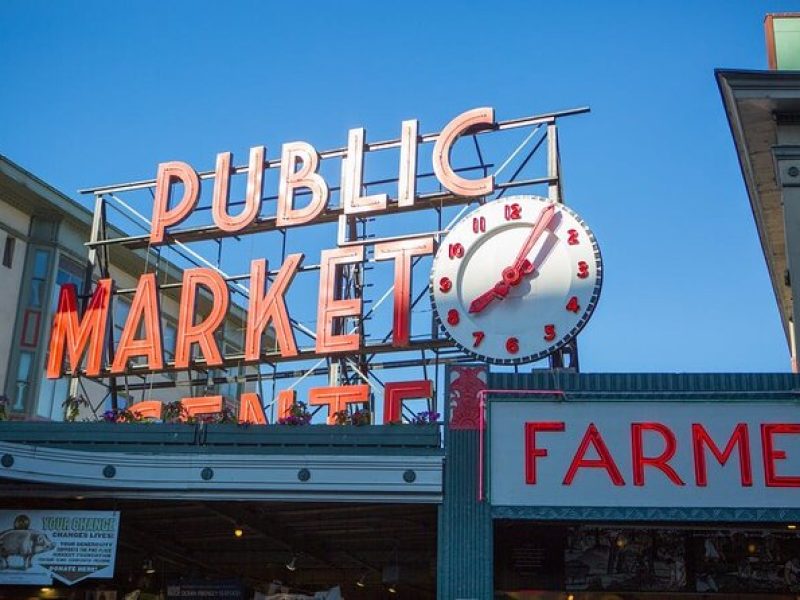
787, 169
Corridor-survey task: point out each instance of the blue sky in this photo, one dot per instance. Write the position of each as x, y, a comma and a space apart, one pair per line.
97, 93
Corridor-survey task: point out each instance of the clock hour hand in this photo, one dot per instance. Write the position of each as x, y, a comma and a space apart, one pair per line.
500, 290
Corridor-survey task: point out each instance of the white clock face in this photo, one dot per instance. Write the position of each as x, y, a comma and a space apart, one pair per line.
516, 279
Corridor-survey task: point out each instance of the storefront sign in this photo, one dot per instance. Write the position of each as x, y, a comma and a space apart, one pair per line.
644, 454
511, 258
38, 545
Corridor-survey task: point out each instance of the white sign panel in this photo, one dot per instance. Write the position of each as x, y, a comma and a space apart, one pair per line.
39, 545
645, 454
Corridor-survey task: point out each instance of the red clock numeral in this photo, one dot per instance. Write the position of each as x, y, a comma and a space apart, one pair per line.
453, 317
549, 333
478, 335
455, 250
572, 240
513, 212
572, 305
445, 285
478, 224
512, 345
583, 269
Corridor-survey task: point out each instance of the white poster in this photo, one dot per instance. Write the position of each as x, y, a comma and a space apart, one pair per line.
68, 545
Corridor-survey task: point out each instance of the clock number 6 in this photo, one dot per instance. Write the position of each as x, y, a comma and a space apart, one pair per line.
512, 345
455, 250
583, 269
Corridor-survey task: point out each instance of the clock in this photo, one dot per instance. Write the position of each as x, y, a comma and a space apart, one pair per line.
516, 279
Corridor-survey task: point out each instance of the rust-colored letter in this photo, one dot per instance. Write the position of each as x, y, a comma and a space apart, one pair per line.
144, 310
331, 306
271, 306
67, 331
285, 400
292, 178
201, 405
252, 200
396, 391
147, 409
353, 178
201, 333
402, 252
163, 216
472, 119
251, 410
771, 454
337, 398
407, 181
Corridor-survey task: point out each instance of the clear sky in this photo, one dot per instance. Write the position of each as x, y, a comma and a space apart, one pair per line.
101, 92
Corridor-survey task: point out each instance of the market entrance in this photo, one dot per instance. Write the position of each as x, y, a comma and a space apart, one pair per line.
266, 548
601, 561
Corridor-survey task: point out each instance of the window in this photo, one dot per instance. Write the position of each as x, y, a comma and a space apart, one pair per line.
8, 252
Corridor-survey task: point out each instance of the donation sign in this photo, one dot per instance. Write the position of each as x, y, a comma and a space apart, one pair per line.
68, 545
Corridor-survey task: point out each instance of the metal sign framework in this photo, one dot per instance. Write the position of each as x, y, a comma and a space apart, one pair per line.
433, 350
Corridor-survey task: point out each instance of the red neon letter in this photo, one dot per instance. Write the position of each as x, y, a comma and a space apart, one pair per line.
251, 410
771, 478
331, 307
252, 200
407, 180
531, 451
144, 310
605, 460
285, 400
67, 331
337, 398
201, 405
292, 178
147, 409
352, 178
660, 462
402, 252
202, 333
476, 118
163, 216
271, 306
700, 438
395, 392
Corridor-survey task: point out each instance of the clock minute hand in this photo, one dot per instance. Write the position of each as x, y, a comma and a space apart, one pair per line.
543, 222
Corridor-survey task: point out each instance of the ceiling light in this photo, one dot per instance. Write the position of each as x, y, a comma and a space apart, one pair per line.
791, 526
238, 532
360, 583
392, 589
292, 564
45, 590
147, 567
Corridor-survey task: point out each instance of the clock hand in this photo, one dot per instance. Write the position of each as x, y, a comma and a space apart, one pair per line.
499, 290
542, 223
513, 274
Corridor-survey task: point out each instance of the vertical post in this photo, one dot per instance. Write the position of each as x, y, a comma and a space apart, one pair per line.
787, 167
466, 540
553, 164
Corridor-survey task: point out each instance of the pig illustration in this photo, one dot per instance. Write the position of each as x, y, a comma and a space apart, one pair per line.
24, 543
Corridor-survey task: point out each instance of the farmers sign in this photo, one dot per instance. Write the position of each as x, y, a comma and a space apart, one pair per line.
644, 454
39, 545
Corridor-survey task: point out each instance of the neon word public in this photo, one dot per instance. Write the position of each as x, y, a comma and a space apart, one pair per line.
299, 164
